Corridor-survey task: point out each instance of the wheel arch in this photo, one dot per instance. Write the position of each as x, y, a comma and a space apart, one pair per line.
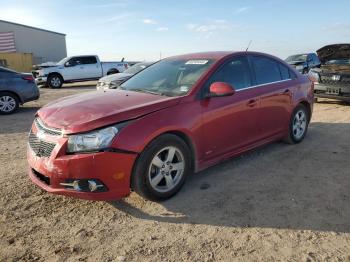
20, 100
56, 73
180, 134
113, 71
308, 107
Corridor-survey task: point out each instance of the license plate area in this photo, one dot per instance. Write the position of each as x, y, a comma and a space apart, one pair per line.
332, 91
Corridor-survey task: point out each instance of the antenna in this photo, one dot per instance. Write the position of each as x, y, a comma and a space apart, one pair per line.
249, 45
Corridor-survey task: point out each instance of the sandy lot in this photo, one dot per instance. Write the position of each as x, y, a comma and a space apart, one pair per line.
281, 202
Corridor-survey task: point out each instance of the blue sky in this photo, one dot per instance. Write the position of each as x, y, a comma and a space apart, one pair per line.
141, 30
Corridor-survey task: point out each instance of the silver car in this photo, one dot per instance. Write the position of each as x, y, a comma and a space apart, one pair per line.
114, 80
16, 89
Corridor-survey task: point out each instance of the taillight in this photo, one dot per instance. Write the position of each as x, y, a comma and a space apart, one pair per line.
28, 78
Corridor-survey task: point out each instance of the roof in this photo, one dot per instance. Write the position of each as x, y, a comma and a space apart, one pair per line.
204, 55
31, 27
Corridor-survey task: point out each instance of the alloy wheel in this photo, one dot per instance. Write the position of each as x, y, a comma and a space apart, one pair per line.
7, 104
55, 81
299, 124
166, 169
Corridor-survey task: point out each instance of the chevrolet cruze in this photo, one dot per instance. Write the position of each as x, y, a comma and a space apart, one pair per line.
178, 116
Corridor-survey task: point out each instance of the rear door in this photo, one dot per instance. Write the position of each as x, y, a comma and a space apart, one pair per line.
275, 83
231, 122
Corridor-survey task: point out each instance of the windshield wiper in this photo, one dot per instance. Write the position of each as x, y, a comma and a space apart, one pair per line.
147, 91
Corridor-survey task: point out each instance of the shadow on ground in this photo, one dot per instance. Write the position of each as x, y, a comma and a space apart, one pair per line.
305, 187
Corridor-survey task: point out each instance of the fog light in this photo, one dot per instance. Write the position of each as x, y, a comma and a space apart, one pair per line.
84, 185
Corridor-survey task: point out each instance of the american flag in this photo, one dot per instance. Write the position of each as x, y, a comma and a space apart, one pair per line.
7, 42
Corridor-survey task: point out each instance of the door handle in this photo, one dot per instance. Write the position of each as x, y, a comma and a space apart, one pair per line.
287, 91
252, 103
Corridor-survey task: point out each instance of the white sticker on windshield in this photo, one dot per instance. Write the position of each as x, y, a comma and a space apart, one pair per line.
196, 62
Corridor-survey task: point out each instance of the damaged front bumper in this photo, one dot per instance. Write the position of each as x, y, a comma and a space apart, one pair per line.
93, 176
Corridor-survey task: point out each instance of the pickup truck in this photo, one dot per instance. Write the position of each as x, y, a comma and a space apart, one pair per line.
76, 69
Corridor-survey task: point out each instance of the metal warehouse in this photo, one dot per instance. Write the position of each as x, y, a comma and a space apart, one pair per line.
17, 40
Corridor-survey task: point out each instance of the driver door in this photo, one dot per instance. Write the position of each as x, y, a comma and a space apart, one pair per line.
73, 69
231, 123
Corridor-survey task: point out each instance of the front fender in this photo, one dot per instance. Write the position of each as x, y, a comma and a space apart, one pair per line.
140, 132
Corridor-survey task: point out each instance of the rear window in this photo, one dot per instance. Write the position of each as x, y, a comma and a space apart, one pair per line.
285, 73
266, 70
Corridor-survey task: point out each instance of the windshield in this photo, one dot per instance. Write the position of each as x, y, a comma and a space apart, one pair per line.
61, 62
168, 77
338, 62
136, 68
299, 58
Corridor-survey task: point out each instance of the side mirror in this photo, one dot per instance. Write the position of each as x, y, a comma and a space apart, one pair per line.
220, 89
67, 64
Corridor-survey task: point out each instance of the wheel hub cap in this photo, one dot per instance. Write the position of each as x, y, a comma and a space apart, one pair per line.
166, 169
299, 124
7, 103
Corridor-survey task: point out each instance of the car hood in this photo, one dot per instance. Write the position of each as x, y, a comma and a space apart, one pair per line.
337, 51
294, 63
92, 110
115, 77
45, 65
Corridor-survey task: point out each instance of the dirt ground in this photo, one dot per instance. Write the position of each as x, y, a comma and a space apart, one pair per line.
278, 203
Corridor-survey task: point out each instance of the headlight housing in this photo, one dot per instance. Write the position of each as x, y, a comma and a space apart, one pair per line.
314, 76
92, 141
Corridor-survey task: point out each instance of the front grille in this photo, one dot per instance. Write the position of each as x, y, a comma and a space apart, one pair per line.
47, 130
328, 79
41, 177
41, 148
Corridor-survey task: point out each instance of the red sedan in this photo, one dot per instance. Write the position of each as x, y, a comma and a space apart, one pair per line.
180, 115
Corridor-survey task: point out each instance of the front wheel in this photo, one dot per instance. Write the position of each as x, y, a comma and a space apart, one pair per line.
54, 81
298, 125
162, 168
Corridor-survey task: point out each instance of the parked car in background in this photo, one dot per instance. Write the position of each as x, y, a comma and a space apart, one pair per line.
16, 89
333, 77
76, 69
179, 115
304, 62
114, 80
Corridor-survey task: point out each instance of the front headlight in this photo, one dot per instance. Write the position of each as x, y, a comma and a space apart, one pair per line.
41, 73
314, 76
92, 141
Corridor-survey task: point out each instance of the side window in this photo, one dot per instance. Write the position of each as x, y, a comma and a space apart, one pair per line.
285, 73
88, 60
75, 61
266, 70
235, 72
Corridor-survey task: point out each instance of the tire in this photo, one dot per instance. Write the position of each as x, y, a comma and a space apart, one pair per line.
9, 103
54, 81
298, 125
158, 176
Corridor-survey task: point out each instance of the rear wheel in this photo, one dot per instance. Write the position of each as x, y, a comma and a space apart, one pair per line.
162, 168
112, 71
8, 103
54, 81
298, 125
